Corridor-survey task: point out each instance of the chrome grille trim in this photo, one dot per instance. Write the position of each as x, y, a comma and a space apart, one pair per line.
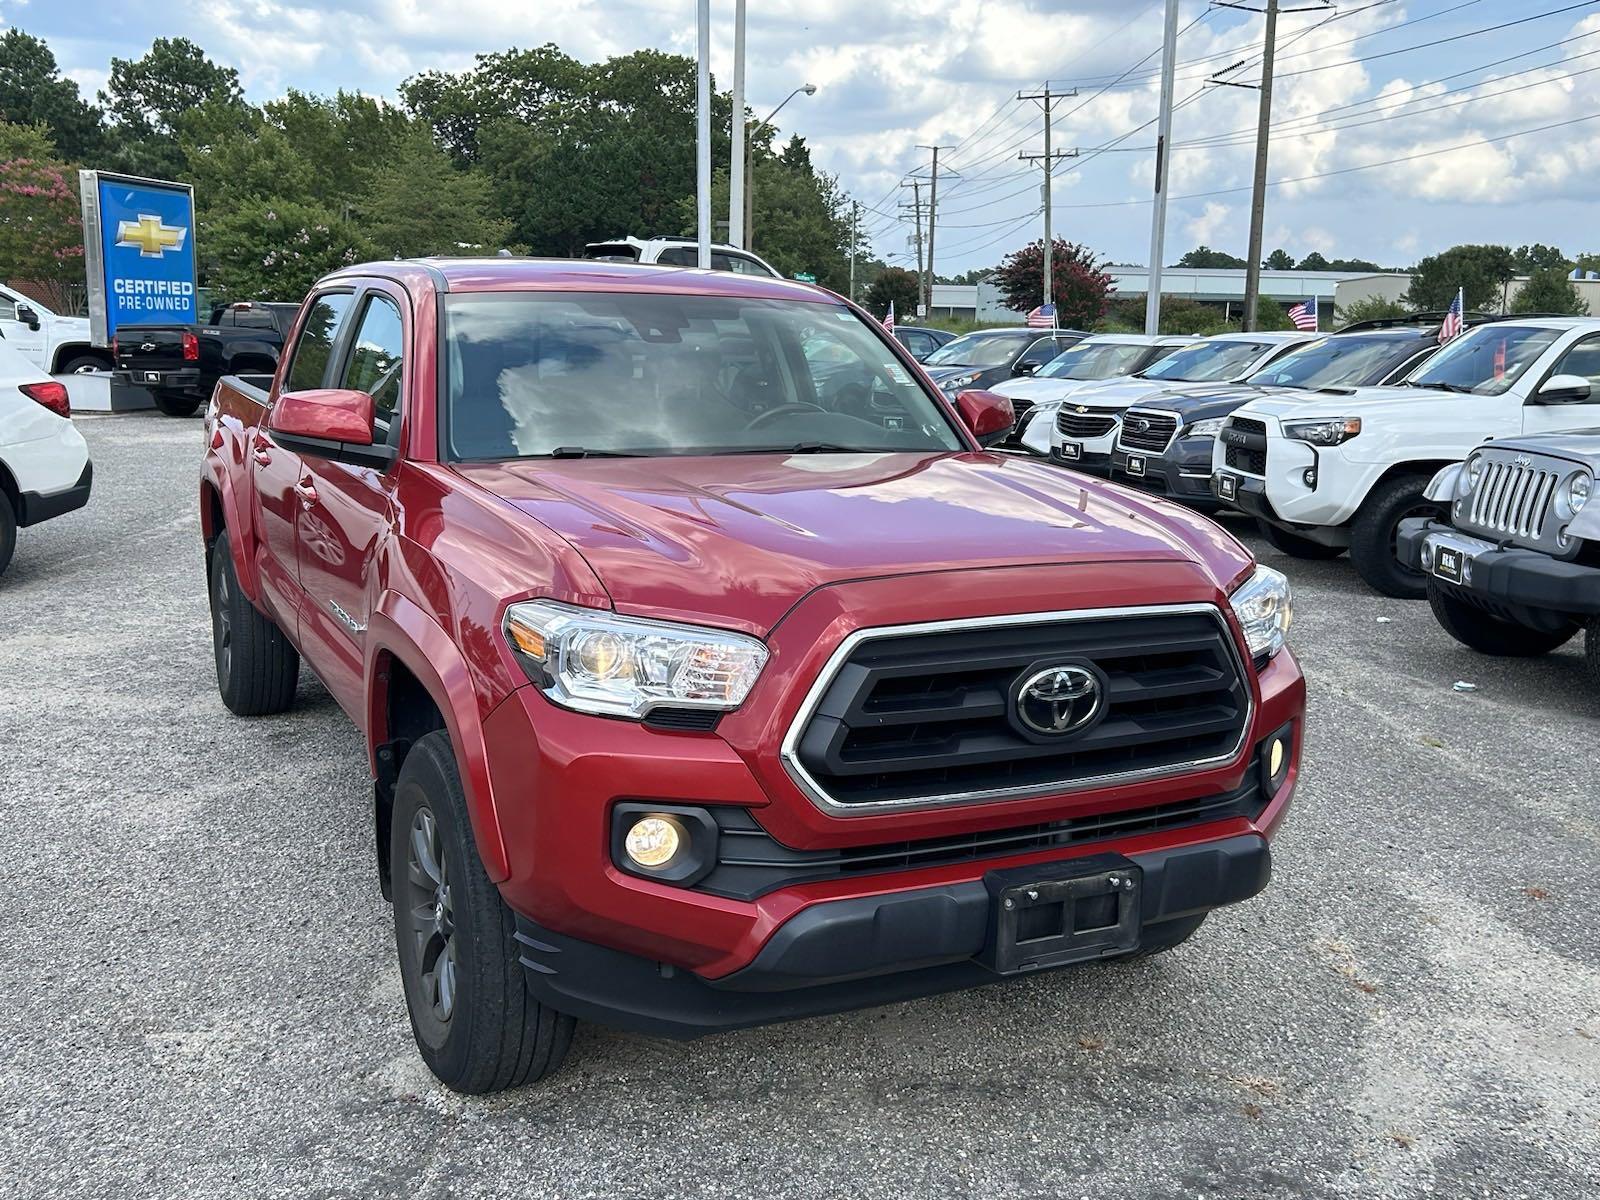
1514, 497
1163, 427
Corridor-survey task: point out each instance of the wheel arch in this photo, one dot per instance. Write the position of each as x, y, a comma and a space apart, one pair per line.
8, 488
73, 350
220, 518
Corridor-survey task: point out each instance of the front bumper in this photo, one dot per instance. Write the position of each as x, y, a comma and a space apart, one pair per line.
851, 953
1515, 582
1074, 455
1248, 493
1183, 471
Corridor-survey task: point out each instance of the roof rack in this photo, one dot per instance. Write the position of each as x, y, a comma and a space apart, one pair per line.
1416, 318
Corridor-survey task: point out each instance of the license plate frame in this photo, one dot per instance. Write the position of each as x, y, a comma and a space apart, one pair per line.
1054, 914
1228, 486
1136, 465
152, 376
1449, 563
1072, 451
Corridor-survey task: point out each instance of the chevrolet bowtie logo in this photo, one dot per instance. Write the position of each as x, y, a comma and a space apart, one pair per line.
149, 236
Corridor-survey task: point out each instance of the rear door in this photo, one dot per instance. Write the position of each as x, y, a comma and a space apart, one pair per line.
348, 509
278, 502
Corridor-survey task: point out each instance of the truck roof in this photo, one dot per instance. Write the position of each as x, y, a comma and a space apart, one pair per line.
508, 274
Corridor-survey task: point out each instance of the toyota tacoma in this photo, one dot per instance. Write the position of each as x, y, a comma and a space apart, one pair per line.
696, 696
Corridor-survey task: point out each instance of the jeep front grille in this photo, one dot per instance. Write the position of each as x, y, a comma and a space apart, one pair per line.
1514, 496
923, 715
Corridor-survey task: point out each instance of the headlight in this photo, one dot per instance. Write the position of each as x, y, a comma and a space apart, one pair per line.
956, 382
1323, 433
1210, 427
598, 662
1474, 471
1578, 488
1264, 605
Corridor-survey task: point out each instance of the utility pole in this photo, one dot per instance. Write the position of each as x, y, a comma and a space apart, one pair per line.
1158, 217
702, 101
916, 225
736, 164
855, 218
1049, 160
1258, 199
933, 217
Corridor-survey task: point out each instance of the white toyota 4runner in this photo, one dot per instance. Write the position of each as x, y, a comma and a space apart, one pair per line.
1325, 475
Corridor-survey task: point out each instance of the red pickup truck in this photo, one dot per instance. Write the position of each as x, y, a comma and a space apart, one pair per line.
712, 672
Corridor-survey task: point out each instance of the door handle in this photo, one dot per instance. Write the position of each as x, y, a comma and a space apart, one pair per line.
307, 494
259, 448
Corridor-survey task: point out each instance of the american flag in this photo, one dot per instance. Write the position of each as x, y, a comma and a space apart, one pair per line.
1452, 319
1043, 317
888, 321
1304, 315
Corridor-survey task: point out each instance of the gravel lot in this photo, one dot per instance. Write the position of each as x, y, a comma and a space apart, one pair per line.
200, 997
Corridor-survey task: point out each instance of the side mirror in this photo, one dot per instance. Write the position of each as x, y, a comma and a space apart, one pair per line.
334, 423
1026, 367
989, 417
1564, 389
28, 317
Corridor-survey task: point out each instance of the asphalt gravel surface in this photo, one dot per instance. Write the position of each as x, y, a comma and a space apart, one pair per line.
200, 996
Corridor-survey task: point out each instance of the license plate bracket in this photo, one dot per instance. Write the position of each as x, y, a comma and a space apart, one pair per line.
1071, 451
1052, 914
152, 376
1228, 487
1135, 464
1447, 563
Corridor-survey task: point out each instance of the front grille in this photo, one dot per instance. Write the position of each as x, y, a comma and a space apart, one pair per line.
1250, 457
1092, 424
751, 862
1514, 497
925, 716
1147, 431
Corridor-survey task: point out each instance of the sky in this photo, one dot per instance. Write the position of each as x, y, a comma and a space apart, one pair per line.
1490, 119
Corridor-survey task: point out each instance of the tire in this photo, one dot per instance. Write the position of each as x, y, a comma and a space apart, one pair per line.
1591, 649
257, 668
82, 364
1488, 634
476, 1024
1372, 536
1294, 545
1167, 936
176, 404
8, 532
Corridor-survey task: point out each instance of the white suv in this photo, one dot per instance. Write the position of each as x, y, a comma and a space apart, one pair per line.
1327, 474
1086, 425
44, 463
679, 252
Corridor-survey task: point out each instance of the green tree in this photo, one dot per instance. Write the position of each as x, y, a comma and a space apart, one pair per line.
265, 250
1353, 265
1482, 271
897, 286
1548, 290
416, 203
34, 92
1270, 315
1279, 260
1079, 284
41, 237
148, 99
1369, 308
346, 137
1539, 257
1205, 257
1314, 262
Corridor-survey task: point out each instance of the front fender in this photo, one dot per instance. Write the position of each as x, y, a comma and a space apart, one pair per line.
400, 631
1442, 486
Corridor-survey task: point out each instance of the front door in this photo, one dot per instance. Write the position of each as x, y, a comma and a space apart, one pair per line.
1583, 359
18, 334
344, 524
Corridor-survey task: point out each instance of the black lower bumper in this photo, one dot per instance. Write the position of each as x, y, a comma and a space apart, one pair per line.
846, 954
1094, 464
185, 381
1182, 472
1513, 580
37, 506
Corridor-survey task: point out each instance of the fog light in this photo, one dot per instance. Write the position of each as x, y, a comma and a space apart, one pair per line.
653, 842
1466, 569
1275, 757
1310, 477
1427, 557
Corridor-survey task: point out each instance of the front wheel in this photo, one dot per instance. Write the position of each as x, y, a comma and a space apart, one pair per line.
475, 1022
176, 404
1488, 634
1293, 544
1374, 536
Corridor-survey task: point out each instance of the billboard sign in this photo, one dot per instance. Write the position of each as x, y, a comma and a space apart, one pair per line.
139, 251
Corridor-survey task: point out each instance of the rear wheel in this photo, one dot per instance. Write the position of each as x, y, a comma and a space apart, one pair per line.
1374, 536
1293, 544
257, 668
8, 532
1488, 634
476, 1024
176, 404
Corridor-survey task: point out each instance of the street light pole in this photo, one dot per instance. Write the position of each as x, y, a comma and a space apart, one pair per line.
736, 212
1158, 219
1258, 195
702, 101
809, 89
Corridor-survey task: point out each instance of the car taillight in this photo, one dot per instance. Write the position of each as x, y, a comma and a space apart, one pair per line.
52, 395
191, 347
113, 347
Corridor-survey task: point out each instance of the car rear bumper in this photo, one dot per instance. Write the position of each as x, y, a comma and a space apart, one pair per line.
1513, 580
42, 506
186, 380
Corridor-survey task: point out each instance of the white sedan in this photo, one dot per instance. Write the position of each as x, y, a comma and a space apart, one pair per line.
44, 462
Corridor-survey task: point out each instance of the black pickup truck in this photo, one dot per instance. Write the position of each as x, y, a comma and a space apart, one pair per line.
180, 364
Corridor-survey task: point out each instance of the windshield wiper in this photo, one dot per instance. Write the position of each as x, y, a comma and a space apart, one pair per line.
585, 452
1459, 388
798, 448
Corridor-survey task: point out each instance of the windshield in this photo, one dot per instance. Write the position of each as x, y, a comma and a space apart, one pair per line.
541, 373
1094, 360
1208, 362
1485, 360
1345, 361
977, 350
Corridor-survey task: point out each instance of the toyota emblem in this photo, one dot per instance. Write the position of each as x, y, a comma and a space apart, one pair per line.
1059, 700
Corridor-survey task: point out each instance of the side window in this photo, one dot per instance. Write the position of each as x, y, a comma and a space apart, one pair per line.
679, 256
919, 344
8, 309
1041, 351
1583, 359
311, 352
376, 354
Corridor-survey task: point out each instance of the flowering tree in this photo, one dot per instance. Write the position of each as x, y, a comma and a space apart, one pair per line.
41, 233
1081, 288
263, 250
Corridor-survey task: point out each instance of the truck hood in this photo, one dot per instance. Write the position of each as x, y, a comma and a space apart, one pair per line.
1043, 391
1146, 393
736, 540
1375, 400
